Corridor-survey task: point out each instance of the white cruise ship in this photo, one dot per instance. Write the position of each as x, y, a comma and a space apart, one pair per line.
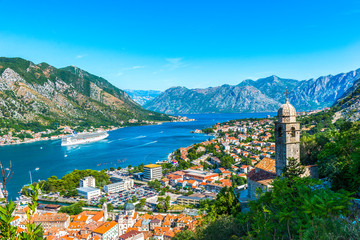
81, 138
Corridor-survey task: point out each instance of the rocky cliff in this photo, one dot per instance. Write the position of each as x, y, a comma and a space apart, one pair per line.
41, 94
349, 103
265, 94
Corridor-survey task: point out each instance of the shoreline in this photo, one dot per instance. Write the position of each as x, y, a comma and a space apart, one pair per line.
57, 137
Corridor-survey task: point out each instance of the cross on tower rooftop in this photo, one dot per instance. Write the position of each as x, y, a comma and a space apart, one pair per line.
287, 95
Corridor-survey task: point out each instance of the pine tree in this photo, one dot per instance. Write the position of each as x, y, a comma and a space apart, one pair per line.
293, 169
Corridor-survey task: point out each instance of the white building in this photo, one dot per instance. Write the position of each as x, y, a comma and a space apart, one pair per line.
152, 172
87, 182
88, 192
126, 184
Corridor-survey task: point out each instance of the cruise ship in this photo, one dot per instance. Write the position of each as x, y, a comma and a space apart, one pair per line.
81, 138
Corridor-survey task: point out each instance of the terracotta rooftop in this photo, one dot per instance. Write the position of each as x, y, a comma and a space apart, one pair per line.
129, 234
262, 177
105, 227
267, 164
55, 217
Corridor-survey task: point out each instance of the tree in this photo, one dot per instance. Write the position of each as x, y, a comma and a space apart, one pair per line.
73, 209
7, 231
110, 207
237, 180
32, 231
291, 208
185, 235
293, 169
167, 202
102, 200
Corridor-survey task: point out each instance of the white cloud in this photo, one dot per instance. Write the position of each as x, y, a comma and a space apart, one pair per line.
133, 68
137, 67
174, 63
81, 56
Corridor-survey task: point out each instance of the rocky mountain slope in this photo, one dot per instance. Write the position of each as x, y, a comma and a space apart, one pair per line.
142, 96
41, 94
349, 103
265, 94
221, 99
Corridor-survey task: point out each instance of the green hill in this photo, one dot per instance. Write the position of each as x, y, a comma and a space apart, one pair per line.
44, 96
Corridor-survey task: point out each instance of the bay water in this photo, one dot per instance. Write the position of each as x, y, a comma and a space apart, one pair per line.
124, 146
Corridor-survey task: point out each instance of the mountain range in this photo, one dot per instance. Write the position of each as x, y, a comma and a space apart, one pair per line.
142, 96
262, 95
42, 94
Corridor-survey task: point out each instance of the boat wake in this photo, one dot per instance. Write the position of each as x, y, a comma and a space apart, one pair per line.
116, 140
142, 136
141, 145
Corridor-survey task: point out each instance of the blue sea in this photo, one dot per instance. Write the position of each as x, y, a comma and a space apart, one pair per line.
123, 147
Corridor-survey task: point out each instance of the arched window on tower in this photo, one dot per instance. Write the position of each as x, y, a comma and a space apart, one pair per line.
280, 132
293, 132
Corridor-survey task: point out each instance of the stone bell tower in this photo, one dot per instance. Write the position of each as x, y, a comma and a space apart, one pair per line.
287, 136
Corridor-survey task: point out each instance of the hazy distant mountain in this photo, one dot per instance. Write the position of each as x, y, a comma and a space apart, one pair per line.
221, 99
264, 94
142, 96
42, 94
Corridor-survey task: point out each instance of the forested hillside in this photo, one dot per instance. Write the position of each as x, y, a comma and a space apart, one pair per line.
40, 95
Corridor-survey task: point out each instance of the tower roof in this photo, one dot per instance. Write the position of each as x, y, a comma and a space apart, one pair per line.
287, 112
129, 206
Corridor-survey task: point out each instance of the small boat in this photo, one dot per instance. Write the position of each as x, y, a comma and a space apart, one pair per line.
37, 169
65, 155
40, 147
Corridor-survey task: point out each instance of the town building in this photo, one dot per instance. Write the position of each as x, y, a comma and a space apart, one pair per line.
127, 218
194, 199
123, 185
107, 231
132, 235
87, 182
200, 176
88, 192
49, 220
152, 172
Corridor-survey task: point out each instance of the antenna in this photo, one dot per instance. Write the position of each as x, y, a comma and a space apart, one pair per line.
30, 177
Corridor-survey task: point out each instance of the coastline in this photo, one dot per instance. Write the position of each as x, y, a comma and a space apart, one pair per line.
57, 137
53, 138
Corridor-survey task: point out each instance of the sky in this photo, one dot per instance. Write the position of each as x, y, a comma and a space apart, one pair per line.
155, 45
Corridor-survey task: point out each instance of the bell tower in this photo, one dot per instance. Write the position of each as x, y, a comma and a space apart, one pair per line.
287, 136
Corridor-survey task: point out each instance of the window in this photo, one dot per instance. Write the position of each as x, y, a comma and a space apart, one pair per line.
280, 131
293, 132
